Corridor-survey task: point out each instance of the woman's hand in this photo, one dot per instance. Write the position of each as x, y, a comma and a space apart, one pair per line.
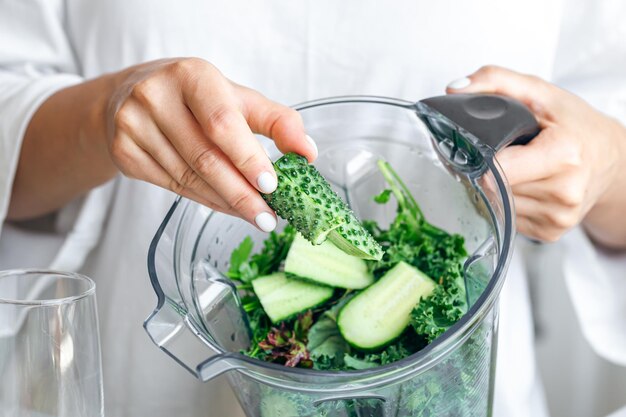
573, 171
180, 124
177, 123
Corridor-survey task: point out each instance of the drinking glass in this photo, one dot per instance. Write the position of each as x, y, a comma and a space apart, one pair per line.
50, 361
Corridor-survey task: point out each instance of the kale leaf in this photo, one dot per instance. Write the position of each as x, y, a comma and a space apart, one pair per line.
446, 305
406, 345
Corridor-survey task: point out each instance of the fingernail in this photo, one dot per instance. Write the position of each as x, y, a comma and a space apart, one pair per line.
265, 221
312, 142
267, 182
460, 83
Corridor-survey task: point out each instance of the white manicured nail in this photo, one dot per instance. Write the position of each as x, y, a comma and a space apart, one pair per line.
267, 182
312, 142
460, 83
265, 221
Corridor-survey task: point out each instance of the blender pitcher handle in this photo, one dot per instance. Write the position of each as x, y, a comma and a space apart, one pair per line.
496, 120
174, 334
178, 332
179, 337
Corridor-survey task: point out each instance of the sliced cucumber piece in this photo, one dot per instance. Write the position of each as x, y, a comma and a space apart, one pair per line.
381, 312
306, 200
326, 264
283, 297
354, 240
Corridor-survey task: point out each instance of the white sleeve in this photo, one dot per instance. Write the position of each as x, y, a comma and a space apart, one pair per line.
591, 54
36, 60
596, 281
591, 62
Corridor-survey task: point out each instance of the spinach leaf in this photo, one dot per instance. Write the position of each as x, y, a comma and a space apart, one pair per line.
326, 345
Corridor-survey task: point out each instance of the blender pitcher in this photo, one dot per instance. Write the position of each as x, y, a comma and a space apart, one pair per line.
444, 148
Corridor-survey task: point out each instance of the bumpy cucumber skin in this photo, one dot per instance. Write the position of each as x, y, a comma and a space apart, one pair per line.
306, 200
280, 281
427, 287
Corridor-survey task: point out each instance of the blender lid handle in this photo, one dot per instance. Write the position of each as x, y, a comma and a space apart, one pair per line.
496, 120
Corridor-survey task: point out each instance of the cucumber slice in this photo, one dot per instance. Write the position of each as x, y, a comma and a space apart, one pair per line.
306, 200
326, 264
283, 297
354, 240
380, 313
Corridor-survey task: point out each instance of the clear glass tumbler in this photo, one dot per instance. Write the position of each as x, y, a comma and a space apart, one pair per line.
50, 361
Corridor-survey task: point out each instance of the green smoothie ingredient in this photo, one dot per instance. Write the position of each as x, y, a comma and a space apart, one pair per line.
306, 200
316, 299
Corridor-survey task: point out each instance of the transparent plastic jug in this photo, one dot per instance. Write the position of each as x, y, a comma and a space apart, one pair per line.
444, 150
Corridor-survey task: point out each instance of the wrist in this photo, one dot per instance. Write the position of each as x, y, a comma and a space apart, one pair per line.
94, 130
605, 221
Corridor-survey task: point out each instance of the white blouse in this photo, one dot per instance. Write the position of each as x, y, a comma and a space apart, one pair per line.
292, 51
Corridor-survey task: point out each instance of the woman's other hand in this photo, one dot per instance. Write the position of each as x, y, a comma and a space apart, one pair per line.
573, 171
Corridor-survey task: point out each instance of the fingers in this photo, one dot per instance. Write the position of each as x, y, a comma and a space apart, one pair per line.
212, 102
213, 166
565, 190
278, 122
146, 134
542, 220
140, 165
205, 173
534, 228
540, 96
562, 173
197, 129
546, 155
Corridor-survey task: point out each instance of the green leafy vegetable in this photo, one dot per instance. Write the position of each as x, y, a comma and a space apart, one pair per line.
406, 345
441, 310
355, 363
326, 345
383, 197
260, 326
288, 346
239, 257
274, 251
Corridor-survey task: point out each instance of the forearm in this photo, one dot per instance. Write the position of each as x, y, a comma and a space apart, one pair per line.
606, 221
176, 123
64, 151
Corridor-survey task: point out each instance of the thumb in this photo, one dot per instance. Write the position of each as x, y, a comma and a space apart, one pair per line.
539, 95
280, 123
